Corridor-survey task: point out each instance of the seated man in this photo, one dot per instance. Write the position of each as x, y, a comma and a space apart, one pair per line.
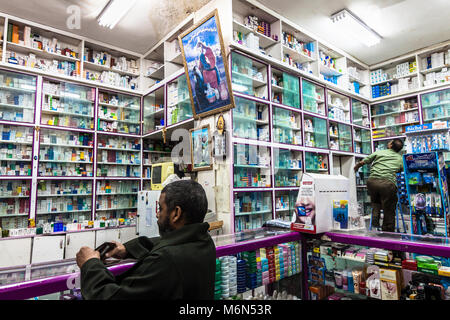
180, 264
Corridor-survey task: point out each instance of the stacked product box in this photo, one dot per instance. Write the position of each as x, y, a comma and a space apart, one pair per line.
381, 90
377, 76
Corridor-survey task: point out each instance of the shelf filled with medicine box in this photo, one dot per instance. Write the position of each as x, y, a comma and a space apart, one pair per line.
116, 199
316, 162
15, 203
256, 29
65, 153
362, 195
332, 66
249, 76
37, 48
153, 111
285, 88
179, 107
313, 97
16, 150
251, 209
298, 49
390, 118
434, 66
251, 166
288, 167
251, 119
360, 113
287, 126
17, 97
338, 107
435, 106
111, 67
118, 156
153, 152
358, 78
395, 77
316, 132
340, 136
119, 113
285, 204
63, 200
66, 104
362, 142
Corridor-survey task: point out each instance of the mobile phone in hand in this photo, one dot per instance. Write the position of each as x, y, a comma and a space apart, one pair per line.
104, 248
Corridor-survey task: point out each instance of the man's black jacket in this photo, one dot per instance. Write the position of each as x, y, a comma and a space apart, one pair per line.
179, 265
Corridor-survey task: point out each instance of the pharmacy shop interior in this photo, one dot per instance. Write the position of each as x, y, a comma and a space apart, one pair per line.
318, 130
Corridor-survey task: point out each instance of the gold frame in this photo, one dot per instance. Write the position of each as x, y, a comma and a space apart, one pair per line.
209, 146
196, 116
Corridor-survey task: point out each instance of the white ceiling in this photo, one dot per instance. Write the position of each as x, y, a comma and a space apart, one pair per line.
405, 25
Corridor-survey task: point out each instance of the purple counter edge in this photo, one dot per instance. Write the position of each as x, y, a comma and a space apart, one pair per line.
40, 287
391, 244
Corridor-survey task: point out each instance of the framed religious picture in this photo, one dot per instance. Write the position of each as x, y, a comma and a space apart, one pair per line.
201, 149
206, 67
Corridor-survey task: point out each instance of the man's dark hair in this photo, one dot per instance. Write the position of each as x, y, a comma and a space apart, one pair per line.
397, 145
190, 197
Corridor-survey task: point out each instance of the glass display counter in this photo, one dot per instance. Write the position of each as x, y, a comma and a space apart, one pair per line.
364, 265
60, 278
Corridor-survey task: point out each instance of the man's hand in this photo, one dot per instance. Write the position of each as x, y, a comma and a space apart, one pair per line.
358, 165
119, 252
85, 254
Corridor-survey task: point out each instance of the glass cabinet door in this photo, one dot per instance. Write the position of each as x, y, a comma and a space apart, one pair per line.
251, 120
436, 106
252, 209
66, 104
360, 113
287, 126
288, 167
119, 113
313, 97
345, 137
390, 118
251, 166
153, 118
315, 132
116, 199
63, 200
362, 143
338, 107
118, 156
65, 153
17, 97
249, 76
285, 204
16, 150
14, 204
285, 89
179, 106
316, 162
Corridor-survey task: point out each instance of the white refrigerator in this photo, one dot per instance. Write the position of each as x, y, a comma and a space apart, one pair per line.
147, 207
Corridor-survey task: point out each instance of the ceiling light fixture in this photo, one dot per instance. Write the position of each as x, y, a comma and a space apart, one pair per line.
356, 28
113, 12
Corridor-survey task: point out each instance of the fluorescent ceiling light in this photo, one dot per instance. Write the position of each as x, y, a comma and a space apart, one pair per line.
113, 12
355, 28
